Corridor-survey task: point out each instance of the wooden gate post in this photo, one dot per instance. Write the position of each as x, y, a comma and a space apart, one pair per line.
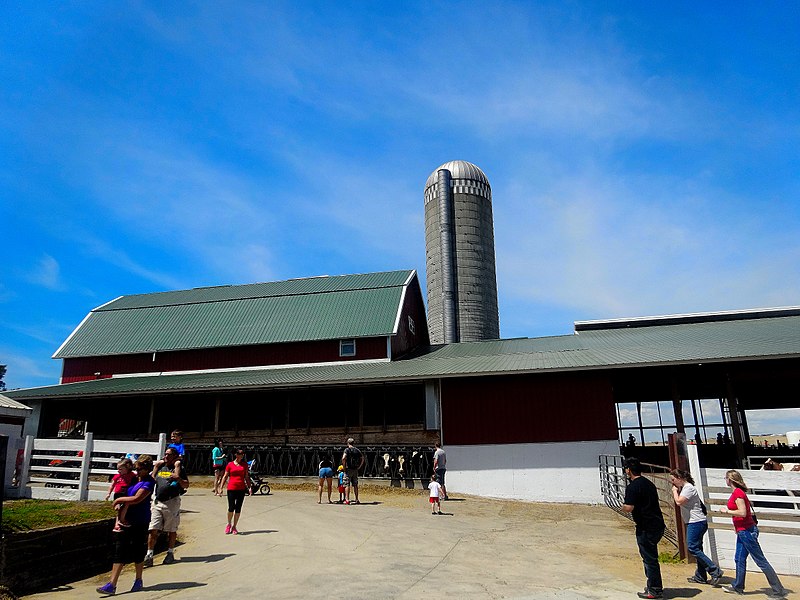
679, 460
86, 466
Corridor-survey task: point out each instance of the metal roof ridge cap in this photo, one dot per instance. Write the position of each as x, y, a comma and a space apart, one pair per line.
687, 318
255, 297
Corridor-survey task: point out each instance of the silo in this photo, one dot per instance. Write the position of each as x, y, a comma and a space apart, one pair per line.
459, 248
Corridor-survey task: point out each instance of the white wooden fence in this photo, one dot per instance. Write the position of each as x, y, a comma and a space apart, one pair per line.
778, 524
76, 469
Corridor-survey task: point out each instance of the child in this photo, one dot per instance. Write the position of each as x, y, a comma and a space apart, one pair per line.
177, 442
342, 478
435, 489
119, 487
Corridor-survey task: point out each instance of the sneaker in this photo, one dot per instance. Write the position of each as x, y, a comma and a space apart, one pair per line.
107, 589
234, 531
715, 578
696, 579
347, 501
138, 584
729, 589
649, 594
169, 559
773, 594
148, 560
227, 529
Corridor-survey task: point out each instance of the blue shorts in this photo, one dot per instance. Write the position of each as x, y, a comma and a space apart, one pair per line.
440, 475
326, 473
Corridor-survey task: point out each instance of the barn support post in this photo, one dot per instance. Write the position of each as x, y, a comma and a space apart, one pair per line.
216, 415
733, 409
677, 405
432, 405
152, 414
678, 459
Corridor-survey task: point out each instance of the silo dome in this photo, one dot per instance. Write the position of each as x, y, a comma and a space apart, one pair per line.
465, 178
459, 169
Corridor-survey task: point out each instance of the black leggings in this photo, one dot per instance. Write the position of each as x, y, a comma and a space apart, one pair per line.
235, 500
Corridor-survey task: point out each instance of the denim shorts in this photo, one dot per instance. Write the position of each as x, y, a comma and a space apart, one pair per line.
326, 473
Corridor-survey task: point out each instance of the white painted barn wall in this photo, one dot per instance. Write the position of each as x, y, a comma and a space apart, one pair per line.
546, 472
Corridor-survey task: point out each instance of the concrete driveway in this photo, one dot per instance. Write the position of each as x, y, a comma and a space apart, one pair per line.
390, 546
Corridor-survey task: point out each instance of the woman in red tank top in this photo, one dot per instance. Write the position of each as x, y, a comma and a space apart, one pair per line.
237, 476
744, 523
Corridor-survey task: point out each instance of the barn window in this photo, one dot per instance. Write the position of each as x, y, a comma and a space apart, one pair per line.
347, 347
411, 327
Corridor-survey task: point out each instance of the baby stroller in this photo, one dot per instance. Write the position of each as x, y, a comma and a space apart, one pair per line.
260, 485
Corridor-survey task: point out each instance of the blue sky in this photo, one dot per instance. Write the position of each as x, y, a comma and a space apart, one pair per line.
643, 157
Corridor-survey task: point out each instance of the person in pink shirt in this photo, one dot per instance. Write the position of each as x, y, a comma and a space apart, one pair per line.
237, 475
119, 488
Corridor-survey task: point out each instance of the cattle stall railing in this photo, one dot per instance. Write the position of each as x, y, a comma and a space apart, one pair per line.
614, 482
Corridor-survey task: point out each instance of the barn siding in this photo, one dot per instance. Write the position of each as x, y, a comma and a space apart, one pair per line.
82, 369
527, 409
405, 341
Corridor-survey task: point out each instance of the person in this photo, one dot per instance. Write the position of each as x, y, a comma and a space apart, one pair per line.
119, 487
325, 474
353, 460
237, 474
693, 513
744, 523
641, 500
631, 441
435, 490
171, 482
218, 462
440, 467
176, 441
342, 477
130, 543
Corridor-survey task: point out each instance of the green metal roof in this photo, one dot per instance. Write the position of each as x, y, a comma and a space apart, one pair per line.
316, 308
588, 350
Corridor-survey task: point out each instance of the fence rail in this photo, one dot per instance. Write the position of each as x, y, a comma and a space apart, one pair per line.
76, 469
776, 500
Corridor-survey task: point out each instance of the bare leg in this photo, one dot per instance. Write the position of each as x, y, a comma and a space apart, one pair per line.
152, 538
320, 491
355, 490
236, 519
330, 488
139, 569
171, 539
116, 569
230, 516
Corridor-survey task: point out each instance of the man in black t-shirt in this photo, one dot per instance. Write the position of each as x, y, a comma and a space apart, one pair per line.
353, 460
641, 499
